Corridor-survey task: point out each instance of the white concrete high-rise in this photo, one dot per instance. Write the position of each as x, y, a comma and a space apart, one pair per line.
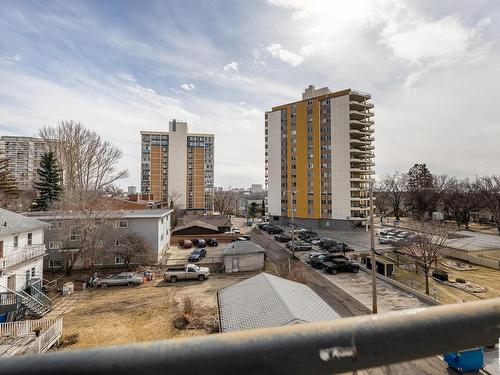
319, 158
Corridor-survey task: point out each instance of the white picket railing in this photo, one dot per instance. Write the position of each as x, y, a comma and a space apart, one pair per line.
25, 327
27, 253
50, 331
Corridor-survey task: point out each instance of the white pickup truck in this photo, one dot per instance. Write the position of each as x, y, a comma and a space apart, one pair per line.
189, 271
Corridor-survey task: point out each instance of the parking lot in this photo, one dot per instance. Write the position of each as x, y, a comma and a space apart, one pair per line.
178, 255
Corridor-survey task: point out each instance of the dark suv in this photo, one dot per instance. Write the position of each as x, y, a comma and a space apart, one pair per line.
211, 242
274, 230
199, 242
283, 237
318, 262
341, 265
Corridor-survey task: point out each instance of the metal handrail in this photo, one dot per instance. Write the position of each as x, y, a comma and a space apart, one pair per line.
23, 295
330, 347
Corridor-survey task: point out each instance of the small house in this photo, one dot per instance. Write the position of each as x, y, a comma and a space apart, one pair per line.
242, 256
269, 301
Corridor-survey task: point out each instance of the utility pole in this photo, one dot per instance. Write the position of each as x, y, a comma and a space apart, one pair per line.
372, 247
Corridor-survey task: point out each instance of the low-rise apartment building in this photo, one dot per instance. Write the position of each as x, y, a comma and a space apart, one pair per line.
319, 158
178, 167
64, 237
22, 251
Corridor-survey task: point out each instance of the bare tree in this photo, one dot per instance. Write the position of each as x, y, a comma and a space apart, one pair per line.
425, 248
129, 246
290, 270
88, 161
89, 165
459, 200
86, 226
225, 202
394, 186
489, 193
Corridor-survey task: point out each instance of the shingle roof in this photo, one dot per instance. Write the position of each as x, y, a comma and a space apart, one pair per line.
217, 220
269, 301
111, 214
11, 222
197, 223
242, 247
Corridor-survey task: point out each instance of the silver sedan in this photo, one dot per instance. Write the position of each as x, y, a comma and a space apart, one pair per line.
124, 278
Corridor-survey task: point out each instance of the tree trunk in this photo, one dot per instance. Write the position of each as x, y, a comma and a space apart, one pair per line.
427, 282
416, 267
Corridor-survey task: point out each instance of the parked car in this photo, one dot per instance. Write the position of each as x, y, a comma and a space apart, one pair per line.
316, 241
273, 229
199, 242
122, 279
387, 239
312, 255
309, 239
236, 230
341, 265
282, 237
189, 271
239, 239
186, 244
196, 255
212, 242
301, 246
326, 243
317, 262
262, 226
321, 262
306, 234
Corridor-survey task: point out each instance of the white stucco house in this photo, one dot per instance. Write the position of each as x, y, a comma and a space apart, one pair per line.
21, 264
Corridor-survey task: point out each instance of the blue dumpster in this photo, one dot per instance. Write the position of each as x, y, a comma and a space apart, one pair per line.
466, 360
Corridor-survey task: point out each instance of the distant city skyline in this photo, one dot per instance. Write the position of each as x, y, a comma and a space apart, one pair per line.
123, 66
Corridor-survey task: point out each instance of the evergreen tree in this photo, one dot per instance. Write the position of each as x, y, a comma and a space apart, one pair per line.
8, 185
421, 191
48, 185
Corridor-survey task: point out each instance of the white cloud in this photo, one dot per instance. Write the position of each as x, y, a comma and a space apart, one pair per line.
188, 87
10, 59
429, 41
232, 66
307, 50
277, 51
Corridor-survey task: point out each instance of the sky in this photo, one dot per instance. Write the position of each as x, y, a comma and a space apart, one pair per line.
119, 67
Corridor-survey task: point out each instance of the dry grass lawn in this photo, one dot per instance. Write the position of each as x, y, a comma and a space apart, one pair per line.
121, 315
484, 276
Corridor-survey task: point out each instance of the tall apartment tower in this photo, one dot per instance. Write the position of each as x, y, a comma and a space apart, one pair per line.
179, 166
23, 155
319, 158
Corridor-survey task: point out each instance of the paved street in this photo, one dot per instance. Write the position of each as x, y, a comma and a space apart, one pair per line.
475, 241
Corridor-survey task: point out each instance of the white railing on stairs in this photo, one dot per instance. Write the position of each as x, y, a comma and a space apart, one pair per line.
50, 331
